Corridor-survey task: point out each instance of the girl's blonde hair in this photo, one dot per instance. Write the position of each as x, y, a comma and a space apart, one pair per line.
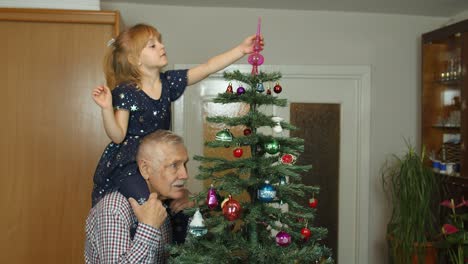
121, 59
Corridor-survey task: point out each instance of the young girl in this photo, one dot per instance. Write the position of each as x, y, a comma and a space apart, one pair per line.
140, 103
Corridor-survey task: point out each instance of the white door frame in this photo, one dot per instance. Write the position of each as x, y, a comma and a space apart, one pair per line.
360, 76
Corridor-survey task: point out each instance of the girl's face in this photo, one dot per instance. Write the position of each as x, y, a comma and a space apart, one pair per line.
153, 54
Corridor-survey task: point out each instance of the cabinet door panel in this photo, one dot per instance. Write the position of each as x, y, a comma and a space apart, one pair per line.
464, 110
51, 137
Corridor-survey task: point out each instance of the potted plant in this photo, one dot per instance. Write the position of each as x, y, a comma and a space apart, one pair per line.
413, 190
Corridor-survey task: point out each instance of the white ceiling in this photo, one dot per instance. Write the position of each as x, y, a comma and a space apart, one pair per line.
442, 8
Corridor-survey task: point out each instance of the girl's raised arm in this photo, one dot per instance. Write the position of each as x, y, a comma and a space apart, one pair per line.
115, 123
221, 61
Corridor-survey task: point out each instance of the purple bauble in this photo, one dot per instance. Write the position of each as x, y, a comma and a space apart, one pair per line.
283, 239
211, 199
240, 90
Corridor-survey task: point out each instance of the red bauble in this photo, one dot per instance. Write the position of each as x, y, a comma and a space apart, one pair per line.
247, 131
277, 89
313, 202
231, 209
238, 152
305, 232
268, 91
288, 159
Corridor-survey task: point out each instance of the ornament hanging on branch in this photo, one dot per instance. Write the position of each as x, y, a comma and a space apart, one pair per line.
196, 227
260, 88
283, 239
247, 131
237, 152
283, 180
272, 147
287, 159
277, 127
268, 92
231, 209
266, 193
211, 198
305, 233
225, 136
240, 90
229, 88
313, 202
259, 149
277, 88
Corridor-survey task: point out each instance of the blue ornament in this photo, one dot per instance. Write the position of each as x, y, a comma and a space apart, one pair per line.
259, 150
260, 88
266, 193
283, 180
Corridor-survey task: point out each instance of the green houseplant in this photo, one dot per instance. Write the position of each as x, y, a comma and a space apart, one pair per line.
413, 190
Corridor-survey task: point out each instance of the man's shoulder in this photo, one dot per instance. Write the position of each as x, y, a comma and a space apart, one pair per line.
114, 205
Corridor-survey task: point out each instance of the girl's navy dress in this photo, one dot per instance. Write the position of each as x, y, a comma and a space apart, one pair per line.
117, 169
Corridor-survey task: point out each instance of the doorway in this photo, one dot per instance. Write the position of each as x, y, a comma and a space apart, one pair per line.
347, 88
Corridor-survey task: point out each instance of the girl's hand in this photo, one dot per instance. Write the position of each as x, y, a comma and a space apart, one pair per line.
247, 46
102, 96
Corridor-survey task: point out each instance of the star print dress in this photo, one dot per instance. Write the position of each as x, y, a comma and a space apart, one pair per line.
117, 169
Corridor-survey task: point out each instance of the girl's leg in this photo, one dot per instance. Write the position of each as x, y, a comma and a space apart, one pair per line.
134, 186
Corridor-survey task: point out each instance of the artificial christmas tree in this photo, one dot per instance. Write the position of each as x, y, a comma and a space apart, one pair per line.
273, 224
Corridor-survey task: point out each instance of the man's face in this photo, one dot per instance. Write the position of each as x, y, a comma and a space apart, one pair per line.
168, 177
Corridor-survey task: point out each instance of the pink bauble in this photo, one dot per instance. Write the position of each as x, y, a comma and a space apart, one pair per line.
211, 199
283, 239
255, 59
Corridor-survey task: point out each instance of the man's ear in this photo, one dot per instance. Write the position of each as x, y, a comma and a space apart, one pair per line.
145, 168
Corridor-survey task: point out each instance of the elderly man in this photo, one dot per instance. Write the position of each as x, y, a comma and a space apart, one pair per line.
122, 231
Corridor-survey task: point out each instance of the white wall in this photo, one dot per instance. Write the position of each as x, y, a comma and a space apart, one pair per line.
459, 17
389, 43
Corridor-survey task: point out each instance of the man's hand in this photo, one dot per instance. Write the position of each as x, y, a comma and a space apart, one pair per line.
152, 212
181, 203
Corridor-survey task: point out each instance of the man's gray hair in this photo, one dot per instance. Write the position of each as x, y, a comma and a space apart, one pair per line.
152, 140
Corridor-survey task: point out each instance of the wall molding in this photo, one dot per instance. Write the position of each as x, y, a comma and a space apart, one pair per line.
53, 4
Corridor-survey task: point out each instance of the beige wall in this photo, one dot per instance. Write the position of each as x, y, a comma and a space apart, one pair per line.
388, 43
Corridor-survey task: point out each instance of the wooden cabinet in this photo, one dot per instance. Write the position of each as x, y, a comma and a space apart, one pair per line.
444, 98
51, 130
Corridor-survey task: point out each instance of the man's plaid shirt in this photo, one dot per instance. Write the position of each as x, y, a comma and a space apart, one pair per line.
109, 236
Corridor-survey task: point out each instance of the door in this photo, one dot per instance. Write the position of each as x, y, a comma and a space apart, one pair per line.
346, 89
52, 133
